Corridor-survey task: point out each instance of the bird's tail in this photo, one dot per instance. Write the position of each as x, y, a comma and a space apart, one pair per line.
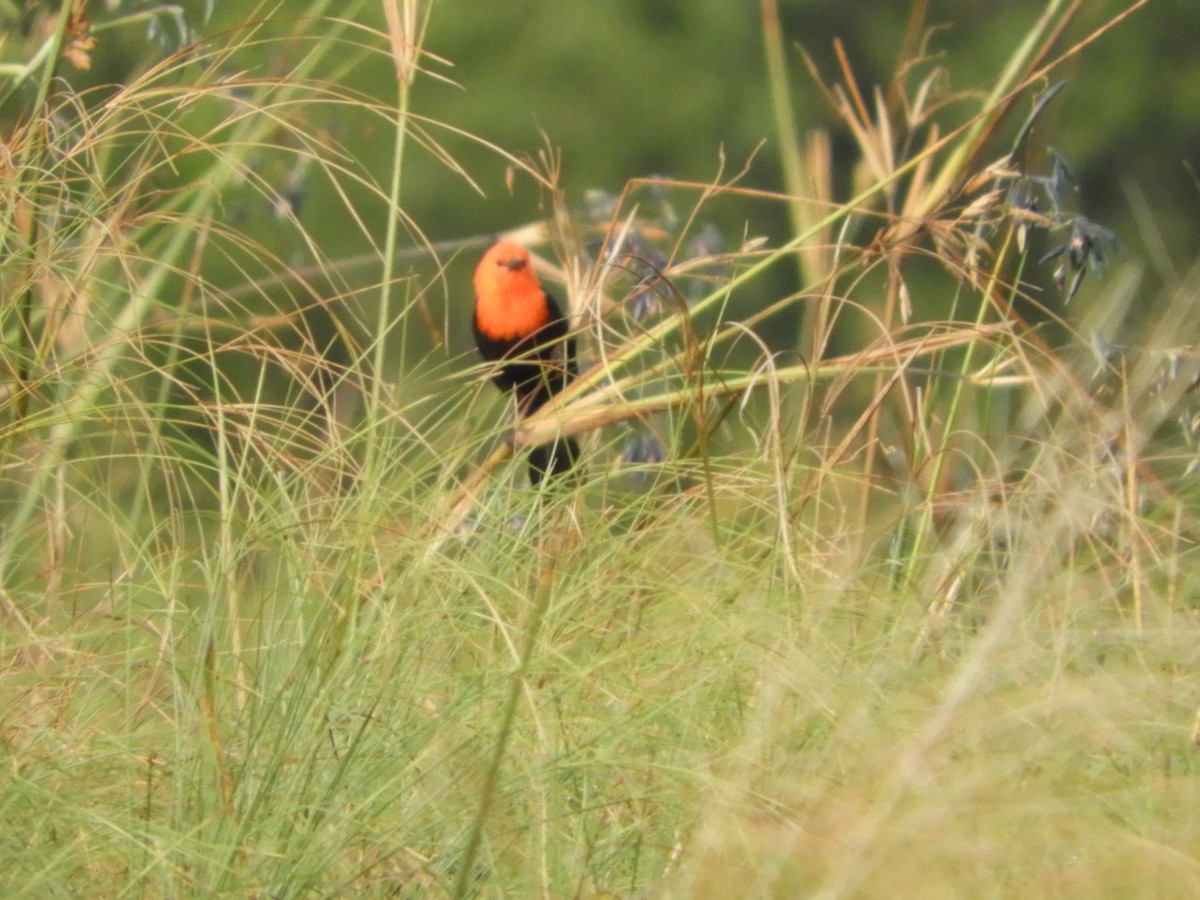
552, 459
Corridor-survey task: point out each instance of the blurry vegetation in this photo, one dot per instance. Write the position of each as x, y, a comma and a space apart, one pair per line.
630, 89
877, 579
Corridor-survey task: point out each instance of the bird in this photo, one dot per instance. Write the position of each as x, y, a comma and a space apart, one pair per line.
521, 329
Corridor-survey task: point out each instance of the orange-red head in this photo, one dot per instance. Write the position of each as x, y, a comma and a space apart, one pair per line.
510, 303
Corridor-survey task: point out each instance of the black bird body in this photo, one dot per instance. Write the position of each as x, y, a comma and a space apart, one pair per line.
520, 328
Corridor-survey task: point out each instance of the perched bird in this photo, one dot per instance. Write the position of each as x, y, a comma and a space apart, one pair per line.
519, 327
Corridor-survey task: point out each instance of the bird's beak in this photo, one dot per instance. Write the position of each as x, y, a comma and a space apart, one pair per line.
513, 265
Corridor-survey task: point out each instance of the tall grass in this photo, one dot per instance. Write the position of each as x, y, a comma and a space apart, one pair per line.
906, 610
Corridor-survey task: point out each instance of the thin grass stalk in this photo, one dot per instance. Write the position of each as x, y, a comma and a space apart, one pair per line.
544, 590
925, 528
795, 180
31, 161
1011, 79
405, 48
597, 409
156, 408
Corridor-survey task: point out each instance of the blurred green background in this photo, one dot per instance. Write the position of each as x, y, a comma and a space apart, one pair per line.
631, 88
626, 89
